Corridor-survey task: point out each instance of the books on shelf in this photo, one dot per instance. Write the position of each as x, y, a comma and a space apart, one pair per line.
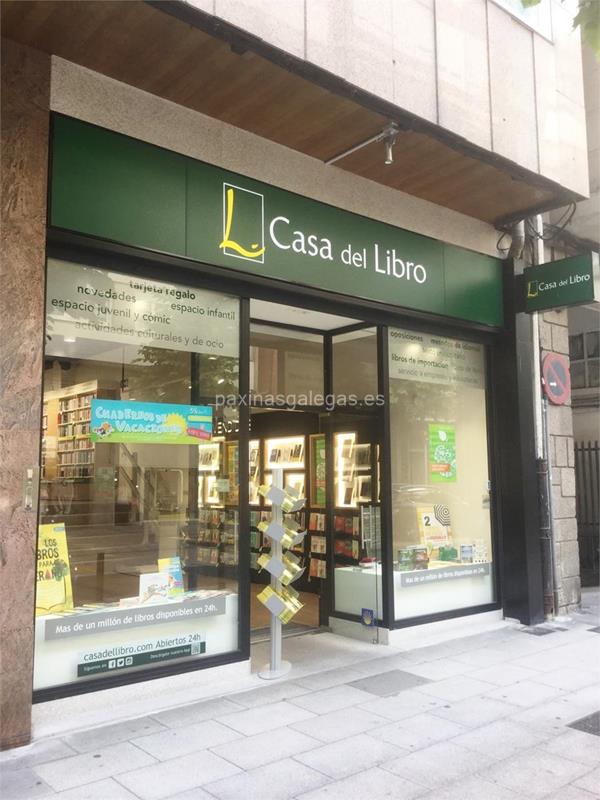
316, 522
318, 568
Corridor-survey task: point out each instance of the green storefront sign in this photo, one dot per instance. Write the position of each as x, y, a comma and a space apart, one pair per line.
569, 282
108, 185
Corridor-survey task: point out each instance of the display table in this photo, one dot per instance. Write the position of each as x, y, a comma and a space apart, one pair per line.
444, 586
357, 588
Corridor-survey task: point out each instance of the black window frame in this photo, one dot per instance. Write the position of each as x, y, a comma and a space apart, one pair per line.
153, 265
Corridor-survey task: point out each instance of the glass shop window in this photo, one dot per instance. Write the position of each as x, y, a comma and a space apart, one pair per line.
442, 545
355, 363
137, 560
584, 352
286, 365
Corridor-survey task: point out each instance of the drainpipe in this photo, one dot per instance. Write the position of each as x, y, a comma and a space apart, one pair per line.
544, 469
517, 244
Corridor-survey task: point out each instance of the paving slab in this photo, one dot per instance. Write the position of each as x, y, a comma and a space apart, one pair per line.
418, 732
22, 784
332, 699
437, 670
571, 792
329, 678
440, 764
525, 693
35, 753
94, 738
374, 784
263, 748
403, 705
473, 787
265, 718
167, 778
590, 782
504, 674
389, 683
340, 724
457, 688
107, 789
576, 745
282, 780
500, 739
474, 715
541, 772
89, 767
269, 694
174, 742
197, 712
570, 678
348, 756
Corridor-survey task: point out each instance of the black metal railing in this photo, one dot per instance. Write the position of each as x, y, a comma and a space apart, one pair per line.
587, 476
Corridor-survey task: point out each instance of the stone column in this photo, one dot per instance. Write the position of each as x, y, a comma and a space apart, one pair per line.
24, 142
554, 337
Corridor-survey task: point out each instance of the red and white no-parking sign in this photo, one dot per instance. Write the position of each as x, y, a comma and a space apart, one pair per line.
557, 378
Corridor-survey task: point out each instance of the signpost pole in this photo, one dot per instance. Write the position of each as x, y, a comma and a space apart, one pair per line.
277, 667
276, 552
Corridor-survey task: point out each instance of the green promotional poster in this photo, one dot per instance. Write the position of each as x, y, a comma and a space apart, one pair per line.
442, 453
163, 423
318, 493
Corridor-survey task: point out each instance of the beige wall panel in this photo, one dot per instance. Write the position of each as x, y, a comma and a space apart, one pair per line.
462, 65
413, 30
573, 145
567, 50
512, 88
547, 108
279, 22
353, 39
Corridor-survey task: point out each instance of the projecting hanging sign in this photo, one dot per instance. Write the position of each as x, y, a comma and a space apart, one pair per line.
107, 185
558, 284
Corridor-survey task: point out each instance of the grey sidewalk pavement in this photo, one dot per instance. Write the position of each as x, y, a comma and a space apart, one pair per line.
486, 716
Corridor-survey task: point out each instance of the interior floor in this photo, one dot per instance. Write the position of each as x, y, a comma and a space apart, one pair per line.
307, 617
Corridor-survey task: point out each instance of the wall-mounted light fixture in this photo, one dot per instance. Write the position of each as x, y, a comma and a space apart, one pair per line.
387, 135
389, 142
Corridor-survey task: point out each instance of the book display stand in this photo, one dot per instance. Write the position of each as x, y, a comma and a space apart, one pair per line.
279, 597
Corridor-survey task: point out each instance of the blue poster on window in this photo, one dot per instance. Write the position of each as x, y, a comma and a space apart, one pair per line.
158, 423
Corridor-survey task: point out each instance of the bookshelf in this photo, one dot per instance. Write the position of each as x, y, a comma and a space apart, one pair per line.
67, 452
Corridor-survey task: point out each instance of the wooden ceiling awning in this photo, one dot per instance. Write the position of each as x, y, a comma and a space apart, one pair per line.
203, 63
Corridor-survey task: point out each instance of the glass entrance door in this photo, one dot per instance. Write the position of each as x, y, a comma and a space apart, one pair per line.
316, 416
354, 513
